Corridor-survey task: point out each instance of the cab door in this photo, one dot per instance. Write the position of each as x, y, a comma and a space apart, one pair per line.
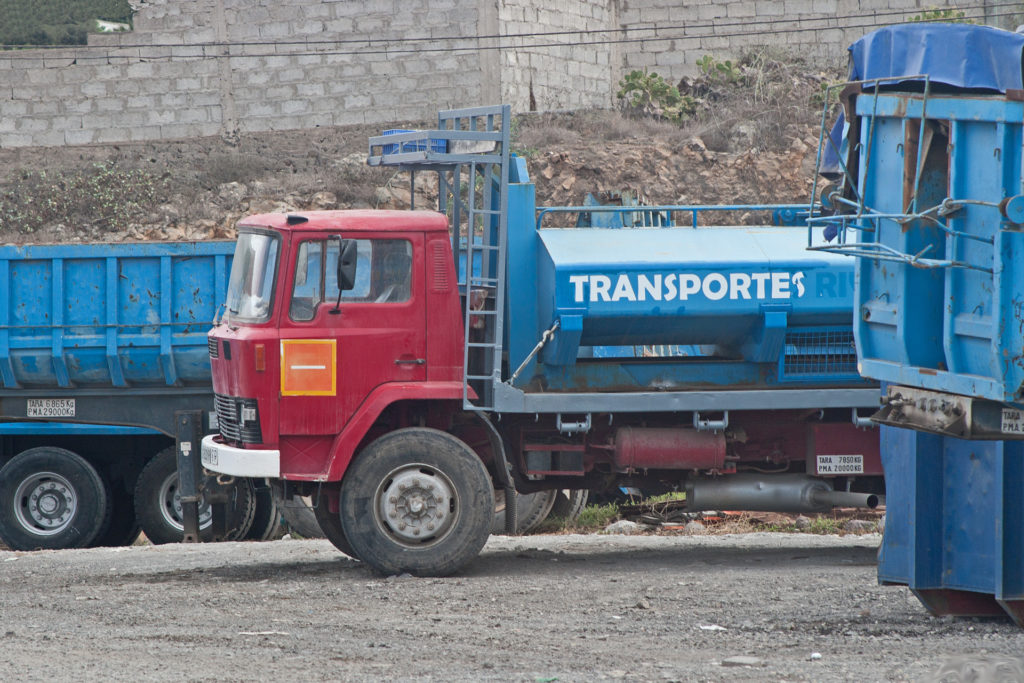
335, 352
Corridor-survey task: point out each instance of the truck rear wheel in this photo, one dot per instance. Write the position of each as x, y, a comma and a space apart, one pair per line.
531, 510
266, 522
417, 500
568, 505
51, 498
158, 503
122, 528
330, 525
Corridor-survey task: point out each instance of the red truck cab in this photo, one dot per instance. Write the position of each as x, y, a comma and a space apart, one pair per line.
339, 327
302, 368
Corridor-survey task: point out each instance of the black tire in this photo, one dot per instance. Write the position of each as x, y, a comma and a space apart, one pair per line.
266, 521
569, 503
158, 506
51, 498
329, 524
299, 516
123, 528
531, 510
435, 488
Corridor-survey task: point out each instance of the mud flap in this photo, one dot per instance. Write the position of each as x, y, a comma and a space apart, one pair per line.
188, 435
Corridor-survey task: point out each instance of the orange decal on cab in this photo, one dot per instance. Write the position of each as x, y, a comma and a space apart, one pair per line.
308, 367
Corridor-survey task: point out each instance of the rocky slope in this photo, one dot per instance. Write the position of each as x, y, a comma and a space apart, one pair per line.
751, 139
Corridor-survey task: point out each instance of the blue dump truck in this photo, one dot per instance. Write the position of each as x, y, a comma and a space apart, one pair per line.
930, 201
100, 346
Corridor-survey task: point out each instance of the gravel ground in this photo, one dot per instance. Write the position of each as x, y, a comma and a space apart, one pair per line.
747, 607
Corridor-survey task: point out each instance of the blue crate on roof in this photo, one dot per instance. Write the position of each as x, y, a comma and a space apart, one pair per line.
435, 144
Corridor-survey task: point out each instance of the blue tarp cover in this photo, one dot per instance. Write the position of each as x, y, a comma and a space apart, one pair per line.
960, 55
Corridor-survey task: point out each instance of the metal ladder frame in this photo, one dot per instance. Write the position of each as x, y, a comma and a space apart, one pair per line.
476, 146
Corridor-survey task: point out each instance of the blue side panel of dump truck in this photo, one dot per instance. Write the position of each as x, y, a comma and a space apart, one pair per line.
100, 345
932, 206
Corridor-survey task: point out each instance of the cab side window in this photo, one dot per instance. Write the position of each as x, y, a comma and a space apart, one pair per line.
383, 272
383, 275
308, 290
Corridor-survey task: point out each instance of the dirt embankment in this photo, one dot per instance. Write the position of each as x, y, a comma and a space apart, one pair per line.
751, 138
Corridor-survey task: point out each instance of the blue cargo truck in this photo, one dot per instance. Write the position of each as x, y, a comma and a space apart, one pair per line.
932, 205
100, 346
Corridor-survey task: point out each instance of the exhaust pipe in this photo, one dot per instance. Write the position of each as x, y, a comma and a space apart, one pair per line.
771, 493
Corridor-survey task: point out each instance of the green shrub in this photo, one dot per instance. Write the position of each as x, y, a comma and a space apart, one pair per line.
724, 72
645, 93
57, 22
948, 15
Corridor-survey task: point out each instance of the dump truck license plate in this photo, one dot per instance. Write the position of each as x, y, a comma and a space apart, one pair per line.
51, 407
1012, 422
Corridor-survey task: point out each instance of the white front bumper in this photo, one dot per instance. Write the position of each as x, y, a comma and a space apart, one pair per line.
239, 462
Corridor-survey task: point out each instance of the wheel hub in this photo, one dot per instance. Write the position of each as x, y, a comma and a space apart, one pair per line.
45, 503
171, 509
416, 505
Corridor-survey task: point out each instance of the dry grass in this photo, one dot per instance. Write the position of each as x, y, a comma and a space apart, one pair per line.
232, 168
778, 94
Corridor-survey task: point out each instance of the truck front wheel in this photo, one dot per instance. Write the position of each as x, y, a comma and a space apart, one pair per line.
51, 498
330, 524
417, 500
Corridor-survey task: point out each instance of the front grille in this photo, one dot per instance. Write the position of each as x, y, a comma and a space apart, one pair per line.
211, 343
229, 413
821, 353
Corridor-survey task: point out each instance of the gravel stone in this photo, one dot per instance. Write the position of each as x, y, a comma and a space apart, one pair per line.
623, 527
171, 612
743, 660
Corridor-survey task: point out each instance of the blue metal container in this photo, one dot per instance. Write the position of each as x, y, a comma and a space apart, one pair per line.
91, 316
934, 205
686, 286
955, 510
944, 312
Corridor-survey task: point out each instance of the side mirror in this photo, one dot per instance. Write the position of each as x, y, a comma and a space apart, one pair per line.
347, 265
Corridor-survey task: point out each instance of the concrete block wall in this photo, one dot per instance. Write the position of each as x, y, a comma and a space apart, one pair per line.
216, 67
572, 67
292, 64
376, 71
726, 29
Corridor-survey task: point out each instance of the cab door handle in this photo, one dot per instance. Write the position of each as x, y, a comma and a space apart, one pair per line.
411, 361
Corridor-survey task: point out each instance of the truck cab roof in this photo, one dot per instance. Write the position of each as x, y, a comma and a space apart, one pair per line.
358, 220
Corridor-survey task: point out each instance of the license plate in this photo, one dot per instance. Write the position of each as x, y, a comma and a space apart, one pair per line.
1013, 421
209, 456
840, 464
51, 407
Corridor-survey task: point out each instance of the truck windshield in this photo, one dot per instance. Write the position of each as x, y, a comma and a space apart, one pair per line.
251, 287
